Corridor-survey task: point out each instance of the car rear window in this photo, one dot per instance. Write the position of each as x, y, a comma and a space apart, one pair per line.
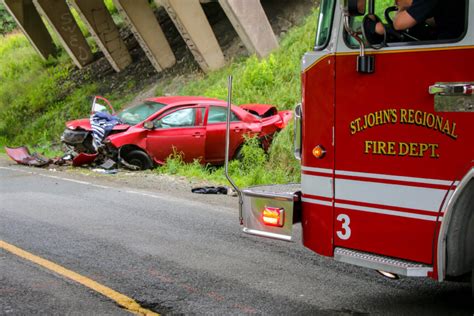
219, 115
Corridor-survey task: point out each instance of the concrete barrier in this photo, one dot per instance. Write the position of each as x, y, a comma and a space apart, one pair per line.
102, 27
252, 25
247, 17
28, 19
57, 13
192, 24
142, 21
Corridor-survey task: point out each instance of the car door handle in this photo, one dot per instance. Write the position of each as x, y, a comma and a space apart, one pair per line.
197, 135
452, 89
237, 129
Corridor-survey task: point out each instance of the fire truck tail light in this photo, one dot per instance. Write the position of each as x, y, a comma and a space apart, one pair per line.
272, 216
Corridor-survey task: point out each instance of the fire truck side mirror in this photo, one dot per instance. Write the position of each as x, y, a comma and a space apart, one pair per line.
354, 7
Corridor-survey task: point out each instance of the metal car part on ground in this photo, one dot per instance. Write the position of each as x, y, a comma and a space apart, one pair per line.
23, 157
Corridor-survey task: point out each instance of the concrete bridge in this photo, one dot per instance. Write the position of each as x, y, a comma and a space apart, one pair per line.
247, 17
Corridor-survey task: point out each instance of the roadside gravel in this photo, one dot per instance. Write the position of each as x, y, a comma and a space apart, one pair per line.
148, 180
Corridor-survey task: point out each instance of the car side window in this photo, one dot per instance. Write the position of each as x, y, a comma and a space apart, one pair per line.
179, 118
218, 114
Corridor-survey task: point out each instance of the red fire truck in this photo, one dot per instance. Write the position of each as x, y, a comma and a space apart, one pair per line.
385, 135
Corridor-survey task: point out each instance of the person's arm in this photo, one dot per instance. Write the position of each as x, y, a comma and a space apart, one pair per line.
402, 21
410, 13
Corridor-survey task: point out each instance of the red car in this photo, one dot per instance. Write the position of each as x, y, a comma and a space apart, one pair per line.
195, 126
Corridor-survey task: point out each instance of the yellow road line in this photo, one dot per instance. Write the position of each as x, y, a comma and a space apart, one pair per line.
122, 300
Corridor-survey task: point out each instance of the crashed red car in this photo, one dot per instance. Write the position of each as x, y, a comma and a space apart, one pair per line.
194, 126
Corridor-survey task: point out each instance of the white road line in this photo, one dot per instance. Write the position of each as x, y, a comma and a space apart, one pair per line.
168, 198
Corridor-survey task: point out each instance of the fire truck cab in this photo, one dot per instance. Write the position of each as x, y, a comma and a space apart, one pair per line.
385, 135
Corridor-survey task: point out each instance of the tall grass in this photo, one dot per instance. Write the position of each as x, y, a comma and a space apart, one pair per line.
35, 95
33, 102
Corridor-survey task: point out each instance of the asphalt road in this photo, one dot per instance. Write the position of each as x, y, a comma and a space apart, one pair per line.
177, 253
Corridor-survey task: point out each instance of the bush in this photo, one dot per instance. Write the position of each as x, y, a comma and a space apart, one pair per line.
7, 23
252, 169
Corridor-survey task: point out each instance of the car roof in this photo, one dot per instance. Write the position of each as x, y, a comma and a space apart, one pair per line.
180, 100
175, 101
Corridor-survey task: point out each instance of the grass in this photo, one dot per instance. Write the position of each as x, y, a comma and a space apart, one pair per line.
36, 98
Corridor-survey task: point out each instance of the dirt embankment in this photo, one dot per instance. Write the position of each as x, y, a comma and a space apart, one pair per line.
141, 78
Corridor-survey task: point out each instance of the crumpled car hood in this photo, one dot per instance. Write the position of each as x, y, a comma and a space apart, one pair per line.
262, 110
86, 125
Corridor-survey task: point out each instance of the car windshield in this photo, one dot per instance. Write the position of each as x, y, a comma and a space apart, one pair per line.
139, 113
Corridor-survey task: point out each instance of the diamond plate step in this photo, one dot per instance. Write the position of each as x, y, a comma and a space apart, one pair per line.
376, 262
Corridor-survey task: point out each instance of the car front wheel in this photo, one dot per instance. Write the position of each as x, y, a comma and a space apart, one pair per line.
138, 159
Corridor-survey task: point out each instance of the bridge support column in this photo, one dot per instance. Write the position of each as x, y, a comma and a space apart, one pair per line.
61, 20
192, 23
147, 31
28, 19
102, 27
252, 25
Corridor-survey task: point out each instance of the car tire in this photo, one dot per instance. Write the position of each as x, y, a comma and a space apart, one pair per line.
238, 155
139, 159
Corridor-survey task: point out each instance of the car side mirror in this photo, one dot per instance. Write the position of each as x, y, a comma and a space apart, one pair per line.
354, 7
148, 125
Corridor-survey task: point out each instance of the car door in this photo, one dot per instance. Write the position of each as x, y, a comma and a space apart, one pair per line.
178, 130
215, 133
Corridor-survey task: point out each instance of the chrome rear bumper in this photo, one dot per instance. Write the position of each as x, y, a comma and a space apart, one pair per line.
256, 199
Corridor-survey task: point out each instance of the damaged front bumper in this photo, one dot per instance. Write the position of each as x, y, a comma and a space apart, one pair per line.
78, 140
74, 137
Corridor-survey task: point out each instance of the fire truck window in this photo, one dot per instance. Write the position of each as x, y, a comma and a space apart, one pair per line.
447, 23
326, 14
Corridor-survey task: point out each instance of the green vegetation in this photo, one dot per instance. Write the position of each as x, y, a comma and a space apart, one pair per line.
37, 97
7, 23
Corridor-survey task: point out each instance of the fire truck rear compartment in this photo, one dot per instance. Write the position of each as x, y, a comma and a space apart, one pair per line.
460, 239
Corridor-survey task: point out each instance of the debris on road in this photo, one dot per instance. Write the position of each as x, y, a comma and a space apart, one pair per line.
83, 159
105, 171
210, 190
23, 157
